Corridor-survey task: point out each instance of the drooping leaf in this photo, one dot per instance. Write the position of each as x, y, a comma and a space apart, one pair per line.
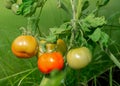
63, 29
96, 35
93, 21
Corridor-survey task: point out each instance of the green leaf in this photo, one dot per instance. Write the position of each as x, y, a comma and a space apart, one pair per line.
85, 27
93, 21
96, 35
51, 38
104, 39
102, 2
63, 29
27, 8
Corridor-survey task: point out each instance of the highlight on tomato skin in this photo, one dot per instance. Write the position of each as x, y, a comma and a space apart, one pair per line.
24, 46
50, 61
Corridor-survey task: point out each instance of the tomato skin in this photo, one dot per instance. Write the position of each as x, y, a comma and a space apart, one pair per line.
50, 61
24, 46
61, 46
79, 57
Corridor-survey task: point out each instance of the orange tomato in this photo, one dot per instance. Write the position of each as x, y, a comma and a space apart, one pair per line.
24, 46
50, 61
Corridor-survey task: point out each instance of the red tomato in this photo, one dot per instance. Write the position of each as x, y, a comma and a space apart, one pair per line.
24, 46
50, 61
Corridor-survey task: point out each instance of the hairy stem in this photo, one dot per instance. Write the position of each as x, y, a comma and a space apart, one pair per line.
73, 23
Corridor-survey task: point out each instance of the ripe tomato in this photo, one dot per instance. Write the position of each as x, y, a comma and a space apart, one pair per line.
24, 46
50, 61
79, 57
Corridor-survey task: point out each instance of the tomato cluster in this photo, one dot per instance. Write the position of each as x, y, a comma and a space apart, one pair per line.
50, 55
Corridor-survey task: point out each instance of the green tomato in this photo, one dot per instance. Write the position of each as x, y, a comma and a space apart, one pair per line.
79, 57
15, 7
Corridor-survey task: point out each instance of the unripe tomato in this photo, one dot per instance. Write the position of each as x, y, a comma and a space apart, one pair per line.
15, 8
24, 46
61, 46
50, 47
79, 57
50, 61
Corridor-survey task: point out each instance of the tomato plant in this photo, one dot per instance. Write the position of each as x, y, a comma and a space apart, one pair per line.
79, 57
74, 39
50, 61
24, 46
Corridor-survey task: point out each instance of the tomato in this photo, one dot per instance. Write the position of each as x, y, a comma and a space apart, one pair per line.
79, 57
24, 46
50, 61
15, 7
61, 46
50, 47
8, 4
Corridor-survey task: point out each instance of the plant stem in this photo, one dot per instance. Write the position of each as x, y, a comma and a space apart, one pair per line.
73, 23
75, 16
114, 59
33, 22
79, 9
110, 77
95, 81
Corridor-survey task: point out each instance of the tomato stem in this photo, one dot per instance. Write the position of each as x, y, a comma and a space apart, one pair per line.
33, 21
75, 14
